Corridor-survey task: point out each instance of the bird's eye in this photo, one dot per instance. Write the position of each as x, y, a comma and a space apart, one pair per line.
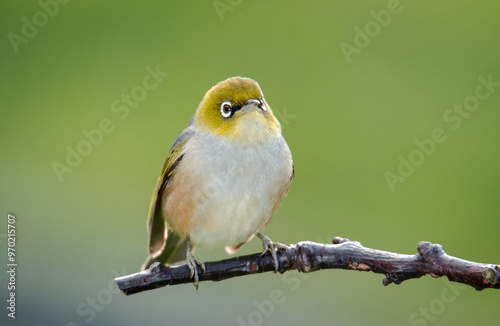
226, 109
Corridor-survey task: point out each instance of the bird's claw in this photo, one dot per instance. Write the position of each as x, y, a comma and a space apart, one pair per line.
193, 263
271, 247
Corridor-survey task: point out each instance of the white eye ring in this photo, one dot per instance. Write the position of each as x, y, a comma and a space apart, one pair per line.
226, 109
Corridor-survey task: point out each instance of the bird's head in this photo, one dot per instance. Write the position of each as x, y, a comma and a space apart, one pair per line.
235, 110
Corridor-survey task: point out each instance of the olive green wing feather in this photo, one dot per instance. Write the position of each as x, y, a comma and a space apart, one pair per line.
156, 220
162, 242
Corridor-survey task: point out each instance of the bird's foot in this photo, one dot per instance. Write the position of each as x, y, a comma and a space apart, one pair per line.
268, 245
193, 263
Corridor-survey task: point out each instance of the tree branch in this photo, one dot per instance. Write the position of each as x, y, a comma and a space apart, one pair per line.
309, 257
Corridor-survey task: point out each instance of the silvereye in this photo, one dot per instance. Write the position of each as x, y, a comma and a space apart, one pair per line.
224, 177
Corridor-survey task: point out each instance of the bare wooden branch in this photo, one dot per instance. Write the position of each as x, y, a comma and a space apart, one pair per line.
308, 257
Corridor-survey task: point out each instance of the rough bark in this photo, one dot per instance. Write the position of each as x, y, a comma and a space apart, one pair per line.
309, 257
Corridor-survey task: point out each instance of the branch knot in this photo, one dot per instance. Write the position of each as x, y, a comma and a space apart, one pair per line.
491, 274
430, 252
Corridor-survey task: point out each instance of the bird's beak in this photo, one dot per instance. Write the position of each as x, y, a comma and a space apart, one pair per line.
252, 104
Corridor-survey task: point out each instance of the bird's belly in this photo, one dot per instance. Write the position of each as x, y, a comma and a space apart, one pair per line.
230, 218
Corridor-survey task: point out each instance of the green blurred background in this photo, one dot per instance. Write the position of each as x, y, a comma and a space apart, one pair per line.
345, 122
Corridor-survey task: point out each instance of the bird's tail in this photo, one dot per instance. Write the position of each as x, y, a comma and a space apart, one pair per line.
174, 251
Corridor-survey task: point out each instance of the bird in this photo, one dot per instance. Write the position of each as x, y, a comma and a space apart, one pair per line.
223, 180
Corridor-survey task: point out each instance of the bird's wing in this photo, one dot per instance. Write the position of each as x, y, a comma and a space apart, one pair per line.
157, 230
